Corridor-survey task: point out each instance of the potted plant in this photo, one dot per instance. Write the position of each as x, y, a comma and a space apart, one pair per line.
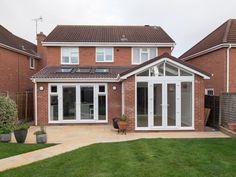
123, 123
5, 134
20, 132
7, 118
232, 126
41, 135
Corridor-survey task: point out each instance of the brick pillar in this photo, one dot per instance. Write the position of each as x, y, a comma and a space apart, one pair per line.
129, 101
42, 101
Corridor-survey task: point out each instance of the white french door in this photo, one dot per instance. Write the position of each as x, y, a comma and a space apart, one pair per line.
164, 104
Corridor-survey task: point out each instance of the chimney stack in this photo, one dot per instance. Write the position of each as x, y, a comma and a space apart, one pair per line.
40, 48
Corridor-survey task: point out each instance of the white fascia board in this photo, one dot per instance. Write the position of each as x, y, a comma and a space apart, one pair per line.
208, 50
72, 80
102, 44
18, 51
161, 60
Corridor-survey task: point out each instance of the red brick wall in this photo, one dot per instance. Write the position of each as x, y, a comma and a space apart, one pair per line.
232, 74
199, 99
15, 71
114, 101
129, 101
87, 57
215, 63
42, 106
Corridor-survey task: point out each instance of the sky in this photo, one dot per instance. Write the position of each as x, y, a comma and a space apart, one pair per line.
186, 21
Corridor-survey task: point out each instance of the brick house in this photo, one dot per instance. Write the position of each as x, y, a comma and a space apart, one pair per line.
19, 61
96, 73
216, 54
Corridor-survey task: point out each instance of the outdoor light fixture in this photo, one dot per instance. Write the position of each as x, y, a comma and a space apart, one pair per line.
41, 88
114, 88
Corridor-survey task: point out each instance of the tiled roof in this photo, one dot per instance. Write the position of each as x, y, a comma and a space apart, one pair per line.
165, 55
55, 72
11, 40
87, 33
226, 33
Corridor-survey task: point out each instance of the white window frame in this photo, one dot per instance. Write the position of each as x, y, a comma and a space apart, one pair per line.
209, 89
140, 54
69, 48
78, 112
104, 55
31, 59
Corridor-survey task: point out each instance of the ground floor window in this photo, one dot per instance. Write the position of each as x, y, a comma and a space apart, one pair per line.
164, 104
77, 103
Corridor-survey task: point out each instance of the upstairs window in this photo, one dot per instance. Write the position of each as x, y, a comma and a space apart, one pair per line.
104, 54
209, 91
69, 55
32, 63
141, 55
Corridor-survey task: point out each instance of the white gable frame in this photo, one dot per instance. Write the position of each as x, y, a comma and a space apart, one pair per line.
164, 60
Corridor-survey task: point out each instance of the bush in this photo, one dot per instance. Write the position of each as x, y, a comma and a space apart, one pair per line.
124, 118
42, 131
8, 112
5, 130
21, 126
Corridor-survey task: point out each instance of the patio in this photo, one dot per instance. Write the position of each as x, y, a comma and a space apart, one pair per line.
72, 137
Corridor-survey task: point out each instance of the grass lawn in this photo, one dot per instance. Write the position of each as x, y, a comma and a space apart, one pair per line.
11, 149
140, 158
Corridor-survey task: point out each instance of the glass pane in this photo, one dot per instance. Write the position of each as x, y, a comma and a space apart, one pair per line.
157, 70
144, 57
53, 107
69, 103
171, 70
101, 107
87, 103
186, 104
100, 57
53, 89
145, 73
157, 93
142, 104
74, 59
108, 57
152, 53
136, 55
171, 104
184, 73
65, 59
101, 88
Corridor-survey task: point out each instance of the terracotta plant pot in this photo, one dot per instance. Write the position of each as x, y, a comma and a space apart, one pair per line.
122, 125
232, 126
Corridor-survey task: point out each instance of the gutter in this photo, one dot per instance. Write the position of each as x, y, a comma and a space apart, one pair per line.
35, 103
227, 67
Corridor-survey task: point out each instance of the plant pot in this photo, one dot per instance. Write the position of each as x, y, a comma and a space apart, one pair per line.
232, 126
123, 125
41, 139
5, 138
20, 135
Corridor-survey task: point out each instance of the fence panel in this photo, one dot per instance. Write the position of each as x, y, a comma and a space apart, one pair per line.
25, 104
227, 108
213, 102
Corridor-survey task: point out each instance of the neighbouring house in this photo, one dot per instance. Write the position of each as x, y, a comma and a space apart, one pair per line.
216, 54
19, 61
96, 73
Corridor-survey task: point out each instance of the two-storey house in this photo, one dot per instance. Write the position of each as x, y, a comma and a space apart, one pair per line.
96, 73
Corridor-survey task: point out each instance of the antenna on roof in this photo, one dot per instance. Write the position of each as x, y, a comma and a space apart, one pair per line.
40, 19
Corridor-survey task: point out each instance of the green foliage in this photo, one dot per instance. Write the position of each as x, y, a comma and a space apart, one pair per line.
5, 130
21, 126
42, 131
124, 118
8, 113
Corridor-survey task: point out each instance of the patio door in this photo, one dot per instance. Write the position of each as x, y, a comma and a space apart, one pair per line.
87, 103
164, 98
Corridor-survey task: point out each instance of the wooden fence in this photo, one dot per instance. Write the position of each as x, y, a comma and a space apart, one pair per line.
213, 102
25, 104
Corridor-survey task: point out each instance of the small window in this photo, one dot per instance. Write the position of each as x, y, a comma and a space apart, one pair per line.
209, 91
101, 70
32, 63
69, 55
184, 73
54, 89
101, 89
141, 55
83, 70
65, 70
171, 70
104, 54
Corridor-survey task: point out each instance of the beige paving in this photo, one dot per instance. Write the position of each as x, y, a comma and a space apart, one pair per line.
69, 138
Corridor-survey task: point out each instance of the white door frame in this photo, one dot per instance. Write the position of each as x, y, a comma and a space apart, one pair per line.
164, 81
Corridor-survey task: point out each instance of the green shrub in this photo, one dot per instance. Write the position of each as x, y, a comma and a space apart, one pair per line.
42, 131
124, 118
8, 113
21, 126
5, 130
